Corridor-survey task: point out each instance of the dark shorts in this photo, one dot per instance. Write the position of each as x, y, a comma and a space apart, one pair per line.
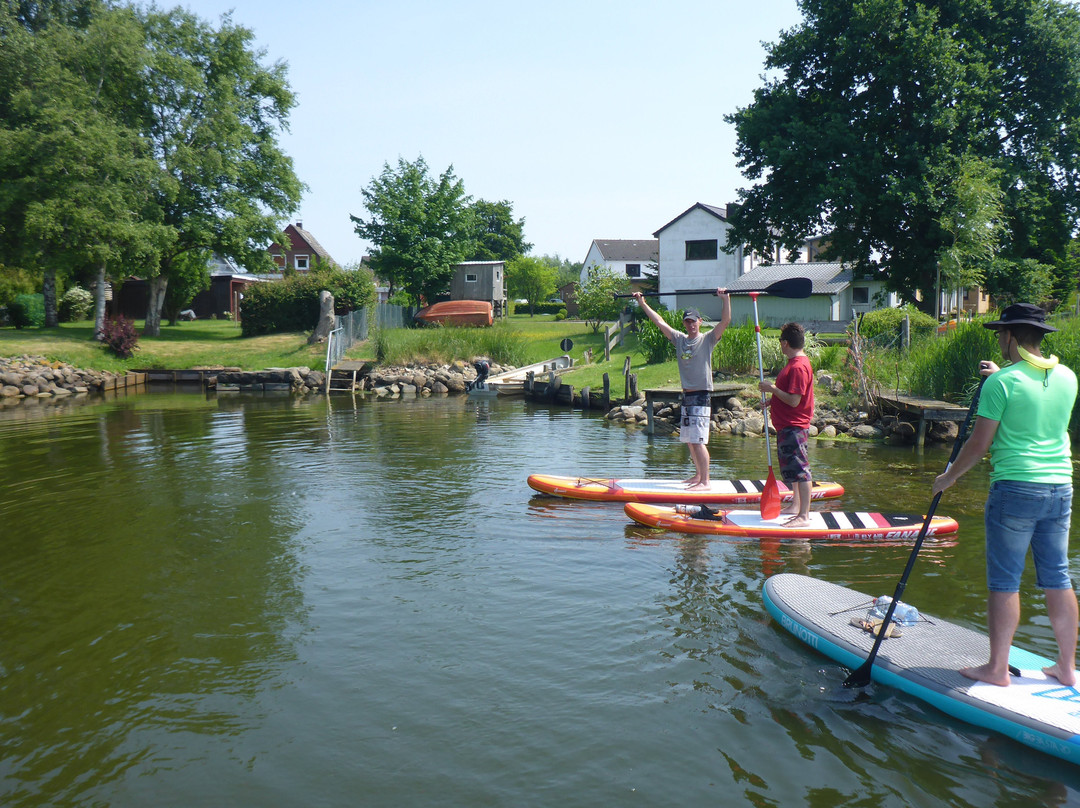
794, 460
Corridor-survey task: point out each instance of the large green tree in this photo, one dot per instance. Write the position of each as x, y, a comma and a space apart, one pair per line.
497, 235
77, 177
213, 113
420, 225
875, 108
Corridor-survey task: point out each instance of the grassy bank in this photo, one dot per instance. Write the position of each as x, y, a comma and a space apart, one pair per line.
204, 343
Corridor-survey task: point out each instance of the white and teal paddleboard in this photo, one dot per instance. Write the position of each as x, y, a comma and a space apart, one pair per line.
924, 661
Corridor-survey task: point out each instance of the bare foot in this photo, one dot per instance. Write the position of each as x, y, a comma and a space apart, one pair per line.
698, 487
692, 481
797, 521
787, 510
1067, 678
983, 673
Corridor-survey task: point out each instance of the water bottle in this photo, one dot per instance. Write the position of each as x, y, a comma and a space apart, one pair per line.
903, 615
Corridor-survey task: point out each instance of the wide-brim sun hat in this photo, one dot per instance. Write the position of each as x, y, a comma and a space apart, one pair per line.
1021, 314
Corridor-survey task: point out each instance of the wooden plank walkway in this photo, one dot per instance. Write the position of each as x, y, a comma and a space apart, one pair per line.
673, 395
927, 409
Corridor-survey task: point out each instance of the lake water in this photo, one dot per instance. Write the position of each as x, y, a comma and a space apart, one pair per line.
255, 601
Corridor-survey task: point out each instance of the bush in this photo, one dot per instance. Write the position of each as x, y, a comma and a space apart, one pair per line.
120, 336
292, 304
75, 305
882, 326
27, 310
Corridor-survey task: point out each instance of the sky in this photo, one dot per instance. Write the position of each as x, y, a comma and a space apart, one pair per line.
593, 119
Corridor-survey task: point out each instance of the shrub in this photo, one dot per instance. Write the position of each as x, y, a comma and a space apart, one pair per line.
27, 310
882, 326
292, 304
560, 314
120, 336
75, 305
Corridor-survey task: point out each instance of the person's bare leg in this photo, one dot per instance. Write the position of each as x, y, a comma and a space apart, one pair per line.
801, 497
1062, 609
1002, 617
699, 453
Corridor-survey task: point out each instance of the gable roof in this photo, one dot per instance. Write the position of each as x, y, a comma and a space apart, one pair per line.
622, 249
720, 212
827, 277
295, 231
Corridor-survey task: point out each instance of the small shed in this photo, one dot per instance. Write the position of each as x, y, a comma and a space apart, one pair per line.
481, 280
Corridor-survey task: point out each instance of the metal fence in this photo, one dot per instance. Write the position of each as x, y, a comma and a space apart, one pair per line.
354, 326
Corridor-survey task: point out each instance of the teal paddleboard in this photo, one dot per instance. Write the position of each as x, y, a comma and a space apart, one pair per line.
924, 660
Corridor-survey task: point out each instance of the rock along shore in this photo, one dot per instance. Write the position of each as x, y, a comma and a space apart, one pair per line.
36, 377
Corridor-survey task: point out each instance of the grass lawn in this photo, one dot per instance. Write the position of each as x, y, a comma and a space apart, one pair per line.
185, 345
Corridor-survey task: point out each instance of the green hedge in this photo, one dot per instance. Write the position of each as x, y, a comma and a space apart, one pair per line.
27, 311
292, 304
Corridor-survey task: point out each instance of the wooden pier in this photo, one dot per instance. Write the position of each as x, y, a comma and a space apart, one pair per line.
927, 410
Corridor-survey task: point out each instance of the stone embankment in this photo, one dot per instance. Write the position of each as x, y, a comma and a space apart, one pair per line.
423, 380
38, 377
741, 415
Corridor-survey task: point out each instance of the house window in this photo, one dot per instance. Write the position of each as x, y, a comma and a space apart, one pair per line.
704, 250
300, 262
470, 277
633, 270
860, 294
497, 274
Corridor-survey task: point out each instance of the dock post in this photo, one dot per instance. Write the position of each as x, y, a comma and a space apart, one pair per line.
607, 392
585, 398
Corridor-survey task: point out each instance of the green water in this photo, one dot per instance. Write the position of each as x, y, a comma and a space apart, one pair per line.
270, 602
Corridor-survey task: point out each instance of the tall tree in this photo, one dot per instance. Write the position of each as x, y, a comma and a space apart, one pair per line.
77, 177
531, 278
497, 235
879, 99
420, 226
213, 115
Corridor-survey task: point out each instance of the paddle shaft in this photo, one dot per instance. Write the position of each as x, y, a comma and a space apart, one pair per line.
861, 676
764, 406
788, 287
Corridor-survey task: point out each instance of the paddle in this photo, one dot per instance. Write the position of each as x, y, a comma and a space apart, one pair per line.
769, 505
788, 287
861, 676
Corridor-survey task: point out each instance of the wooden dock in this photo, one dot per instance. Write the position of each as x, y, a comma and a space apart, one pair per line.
670, 395
927, 410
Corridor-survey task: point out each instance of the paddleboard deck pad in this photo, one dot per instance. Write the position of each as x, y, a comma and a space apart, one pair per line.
924, 661
826, 525
719, 492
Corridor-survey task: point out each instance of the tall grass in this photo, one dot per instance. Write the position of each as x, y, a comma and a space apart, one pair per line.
442, 345
946, 367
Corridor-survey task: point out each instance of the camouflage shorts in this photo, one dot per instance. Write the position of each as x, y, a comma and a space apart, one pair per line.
791, 444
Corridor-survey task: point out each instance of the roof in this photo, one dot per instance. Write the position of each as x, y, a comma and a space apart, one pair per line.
626, 249
828, 278
310, 240
719, 211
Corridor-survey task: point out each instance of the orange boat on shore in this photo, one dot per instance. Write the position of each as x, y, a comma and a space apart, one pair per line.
458, 312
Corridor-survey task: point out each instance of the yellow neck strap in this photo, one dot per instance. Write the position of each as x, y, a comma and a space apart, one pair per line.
1041, 362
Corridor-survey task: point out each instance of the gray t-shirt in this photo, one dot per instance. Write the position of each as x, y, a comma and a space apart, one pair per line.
695, 359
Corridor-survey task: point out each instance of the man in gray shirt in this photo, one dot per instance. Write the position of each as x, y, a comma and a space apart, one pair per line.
694, 352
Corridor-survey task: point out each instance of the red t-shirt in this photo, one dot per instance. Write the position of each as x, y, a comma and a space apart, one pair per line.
796, 377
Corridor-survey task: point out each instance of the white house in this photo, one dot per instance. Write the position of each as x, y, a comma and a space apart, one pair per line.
692, 258
635, 258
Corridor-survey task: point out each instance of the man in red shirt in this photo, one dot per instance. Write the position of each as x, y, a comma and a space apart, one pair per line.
792, 407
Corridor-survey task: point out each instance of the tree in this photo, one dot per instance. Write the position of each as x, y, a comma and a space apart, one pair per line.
596, 297
77, 175
190, 275
420, 226
531, 278
878, 99
973, 221
212, 115
497, 236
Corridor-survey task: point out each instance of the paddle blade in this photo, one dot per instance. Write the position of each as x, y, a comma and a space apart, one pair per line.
770, 498
791, 288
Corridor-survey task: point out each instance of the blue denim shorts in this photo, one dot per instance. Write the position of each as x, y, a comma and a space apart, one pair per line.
1021, 515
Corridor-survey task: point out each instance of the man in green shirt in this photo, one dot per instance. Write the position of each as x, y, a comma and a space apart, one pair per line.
1023, 420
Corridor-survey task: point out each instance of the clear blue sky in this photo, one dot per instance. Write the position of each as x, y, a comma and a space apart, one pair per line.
593, 119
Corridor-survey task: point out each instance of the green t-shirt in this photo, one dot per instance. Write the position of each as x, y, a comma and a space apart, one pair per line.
1032, 408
